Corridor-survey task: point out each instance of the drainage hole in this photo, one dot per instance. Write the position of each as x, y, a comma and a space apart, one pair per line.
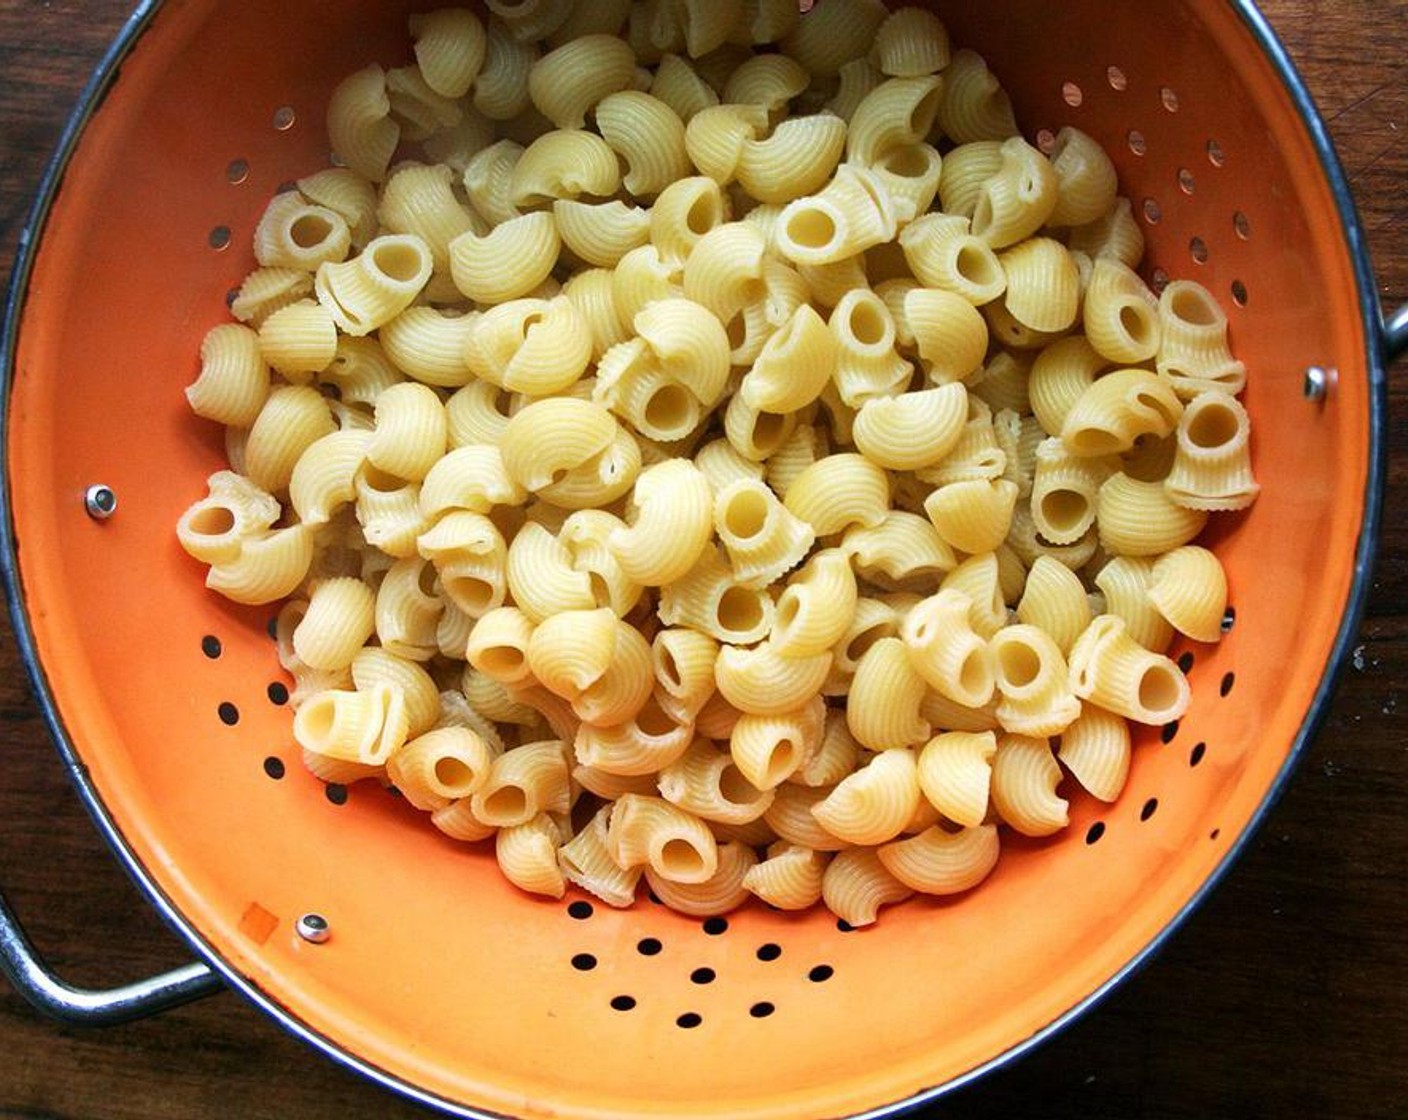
1094, 832
580, 910
689, 1020
623, 1003
230, 715
761, 1010
584, 962
210, 646
702, 976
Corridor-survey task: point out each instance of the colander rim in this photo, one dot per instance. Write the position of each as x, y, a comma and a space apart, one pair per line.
91, 98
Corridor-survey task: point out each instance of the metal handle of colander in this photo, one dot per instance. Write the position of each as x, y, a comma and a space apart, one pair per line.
24, 969
1396, 333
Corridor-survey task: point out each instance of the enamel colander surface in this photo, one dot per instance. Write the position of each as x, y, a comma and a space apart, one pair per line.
441, 979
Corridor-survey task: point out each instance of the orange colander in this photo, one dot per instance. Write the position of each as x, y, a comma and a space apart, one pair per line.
406, 956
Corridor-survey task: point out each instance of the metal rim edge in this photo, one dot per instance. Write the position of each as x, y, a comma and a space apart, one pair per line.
1372, 322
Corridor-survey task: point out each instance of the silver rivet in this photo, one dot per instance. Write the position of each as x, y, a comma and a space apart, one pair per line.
1317, 383
314, 928
100, 502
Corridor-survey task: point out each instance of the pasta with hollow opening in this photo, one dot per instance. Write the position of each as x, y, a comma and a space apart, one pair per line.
722, 466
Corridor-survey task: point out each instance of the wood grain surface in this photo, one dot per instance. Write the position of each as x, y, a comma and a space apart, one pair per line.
1286, 995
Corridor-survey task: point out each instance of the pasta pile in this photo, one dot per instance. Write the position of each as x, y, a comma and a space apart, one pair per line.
724, 453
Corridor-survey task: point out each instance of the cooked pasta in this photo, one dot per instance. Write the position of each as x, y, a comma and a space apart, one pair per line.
566, 83
762, 537
946, 651
856, 884
1116, 409
1212, 464
1032, 678
1139, 519
1121, 315
1025, 775
1124, 583
911, 43
902, 552
769, 749
722, 412
1112, 671
648, 136
789, 878
817, 607
263, 292
943, 253
500, 89
950, 335
564, 163
852, 213
721, 892
359, 122
897, 113
1018, 200
1193, 351
940, 862
1054, 601
1043, 284
676, 83
1096, 749
676, 845
955, 774
867, 364
296, 234
509, 261
794, 366
973, 515
759, 681
1189, 588
884, 699
363, 726
234, 377
912, 430
769, 80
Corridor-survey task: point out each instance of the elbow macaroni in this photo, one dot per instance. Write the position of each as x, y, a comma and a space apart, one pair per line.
674, 423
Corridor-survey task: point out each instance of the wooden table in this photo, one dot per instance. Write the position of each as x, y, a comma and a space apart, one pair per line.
1286, 995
